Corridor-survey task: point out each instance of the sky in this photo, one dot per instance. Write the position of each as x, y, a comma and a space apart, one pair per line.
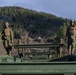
60, 8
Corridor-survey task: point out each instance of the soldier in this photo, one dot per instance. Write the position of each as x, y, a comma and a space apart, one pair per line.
20, 50
7, 37
71, 37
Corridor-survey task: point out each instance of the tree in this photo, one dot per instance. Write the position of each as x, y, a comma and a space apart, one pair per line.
62, 31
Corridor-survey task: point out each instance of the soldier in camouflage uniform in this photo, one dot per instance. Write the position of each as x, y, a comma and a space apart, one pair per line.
20, 50
71, 37
7, 37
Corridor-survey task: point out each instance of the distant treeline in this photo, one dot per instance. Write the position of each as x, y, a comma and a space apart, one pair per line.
35, 23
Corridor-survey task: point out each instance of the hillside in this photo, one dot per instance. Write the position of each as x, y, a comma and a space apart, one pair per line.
34, 23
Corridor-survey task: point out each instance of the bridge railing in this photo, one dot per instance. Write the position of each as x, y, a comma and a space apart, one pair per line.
51, 68
38, 68
57, 49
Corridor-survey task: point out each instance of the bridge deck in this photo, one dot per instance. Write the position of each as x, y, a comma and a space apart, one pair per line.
35, 67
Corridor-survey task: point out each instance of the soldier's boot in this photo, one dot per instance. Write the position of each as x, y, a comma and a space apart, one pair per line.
10, 53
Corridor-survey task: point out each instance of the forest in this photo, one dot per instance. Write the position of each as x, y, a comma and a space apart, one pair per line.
26, 21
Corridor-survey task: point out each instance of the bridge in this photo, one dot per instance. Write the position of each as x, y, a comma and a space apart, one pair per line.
38, 68
49, 52
9, 67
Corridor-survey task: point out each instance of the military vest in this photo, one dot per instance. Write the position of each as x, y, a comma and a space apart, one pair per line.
72, 31
7, 32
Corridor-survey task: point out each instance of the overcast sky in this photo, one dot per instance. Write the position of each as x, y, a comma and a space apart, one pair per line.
60, 8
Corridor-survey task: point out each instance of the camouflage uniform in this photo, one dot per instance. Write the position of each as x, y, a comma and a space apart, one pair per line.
71, 36
59, 52
20, 50
7, 37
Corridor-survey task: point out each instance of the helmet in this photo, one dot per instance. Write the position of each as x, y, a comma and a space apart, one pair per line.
71, 21
6, 23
